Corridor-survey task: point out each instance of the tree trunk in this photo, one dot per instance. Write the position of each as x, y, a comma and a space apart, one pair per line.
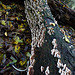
52, 53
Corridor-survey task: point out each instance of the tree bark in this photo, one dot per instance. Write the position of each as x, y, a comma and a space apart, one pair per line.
43, 54
62, 13
44, 58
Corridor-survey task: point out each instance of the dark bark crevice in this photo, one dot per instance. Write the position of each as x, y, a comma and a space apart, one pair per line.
63, 14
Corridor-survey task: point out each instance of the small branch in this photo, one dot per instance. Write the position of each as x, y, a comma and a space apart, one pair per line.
63, 14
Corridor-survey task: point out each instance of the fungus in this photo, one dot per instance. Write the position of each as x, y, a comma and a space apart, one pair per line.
30, 70
59, 64
54, 43
42, 68
60, 70
62, 30
53, 51
50, 31
64, 70
56, 53
53, 24
47, 72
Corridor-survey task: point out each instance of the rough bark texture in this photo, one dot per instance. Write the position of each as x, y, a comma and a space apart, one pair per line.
62, 13
44, 58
